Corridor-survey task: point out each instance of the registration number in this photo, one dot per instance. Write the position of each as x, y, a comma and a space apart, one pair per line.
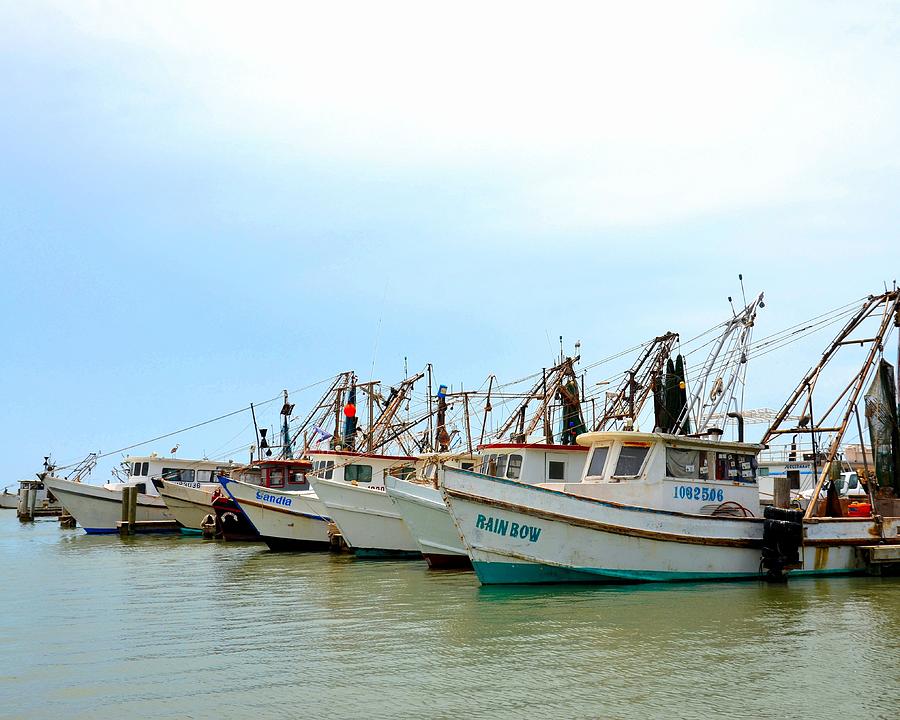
695, 492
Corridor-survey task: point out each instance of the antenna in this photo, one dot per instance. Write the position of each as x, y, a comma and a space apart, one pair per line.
743, 294
732, 306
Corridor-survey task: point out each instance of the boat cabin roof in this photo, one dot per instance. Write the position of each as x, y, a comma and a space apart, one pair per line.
591, 439
360, 455
487, 447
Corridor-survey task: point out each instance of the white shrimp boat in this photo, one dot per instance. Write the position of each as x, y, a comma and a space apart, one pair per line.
98, 508
657, 506
352, 487
631, 519
286, 519
425, 512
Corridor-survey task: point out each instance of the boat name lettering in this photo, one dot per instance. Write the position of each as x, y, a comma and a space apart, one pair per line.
508, 528
688, 492
274, 499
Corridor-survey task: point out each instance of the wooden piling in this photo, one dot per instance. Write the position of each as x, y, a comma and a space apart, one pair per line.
129, 510
782, 497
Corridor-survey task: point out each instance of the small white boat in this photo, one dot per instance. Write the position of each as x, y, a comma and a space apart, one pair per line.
98, 508
286, 513
9, 500
352, 487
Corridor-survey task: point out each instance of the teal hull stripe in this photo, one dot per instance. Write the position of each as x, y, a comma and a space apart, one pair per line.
502, 573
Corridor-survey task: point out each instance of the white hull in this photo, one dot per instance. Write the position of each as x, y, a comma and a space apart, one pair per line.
97, 509
515, 533
285, 519
368, 520
425, 514
189, 505
10, 501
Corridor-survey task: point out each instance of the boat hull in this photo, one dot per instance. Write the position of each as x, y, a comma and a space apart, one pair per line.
426, 516
189, 506
8, 500
97, 509
368, 520
285, 520
516, 533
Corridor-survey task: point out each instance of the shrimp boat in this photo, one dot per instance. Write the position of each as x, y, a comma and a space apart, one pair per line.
675, 506
418, 499
282, 508
98, 508
352, 481
352, 486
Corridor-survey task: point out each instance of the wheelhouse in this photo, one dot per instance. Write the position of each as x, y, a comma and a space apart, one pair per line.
669, 472
363, 469
532, 464
289, 474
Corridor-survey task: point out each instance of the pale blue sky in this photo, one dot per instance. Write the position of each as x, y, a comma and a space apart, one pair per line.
201, 205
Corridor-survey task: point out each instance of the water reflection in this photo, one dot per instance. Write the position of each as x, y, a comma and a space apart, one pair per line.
205, 629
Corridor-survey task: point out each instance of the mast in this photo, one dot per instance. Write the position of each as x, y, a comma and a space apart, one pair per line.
800, 401
628, 400
723, 370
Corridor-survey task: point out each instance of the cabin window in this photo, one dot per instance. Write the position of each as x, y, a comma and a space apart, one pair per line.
298, 478
853, 482
793, 477
324, 469
491, 468
141, 488
631, 459
763, 472
598, 460
178, 475
359, 473
276, 478
736, 468
140, 469
468, 466
514, 467
682, 464
501, 466
556, 470
430, 471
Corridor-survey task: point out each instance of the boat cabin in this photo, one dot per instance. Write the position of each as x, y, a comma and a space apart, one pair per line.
364, 469
669, 472
532, 464
141, 469
287, 474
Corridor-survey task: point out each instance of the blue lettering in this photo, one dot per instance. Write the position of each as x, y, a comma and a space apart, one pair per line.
514, 529
535, 534
502, 527
490, 524
480, 521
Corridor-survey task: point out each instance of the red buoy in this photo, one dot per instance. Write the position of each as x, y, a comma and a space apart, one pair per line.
349, 410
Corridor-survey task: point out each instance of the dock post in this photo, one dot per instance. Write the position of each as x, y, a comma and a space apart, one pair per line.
25, 505
129, 510
132, 509
66, 520
782, 492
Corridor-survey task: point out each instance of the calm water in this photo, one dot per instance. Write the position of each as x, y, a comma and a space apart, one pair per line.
166, 627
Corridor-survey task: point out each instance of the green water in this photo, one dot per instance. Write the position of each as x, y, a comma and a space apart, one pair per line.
179, 627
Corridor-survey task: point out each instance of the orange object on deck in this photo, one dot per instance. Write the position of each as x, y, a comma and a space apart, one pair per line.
859, 509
